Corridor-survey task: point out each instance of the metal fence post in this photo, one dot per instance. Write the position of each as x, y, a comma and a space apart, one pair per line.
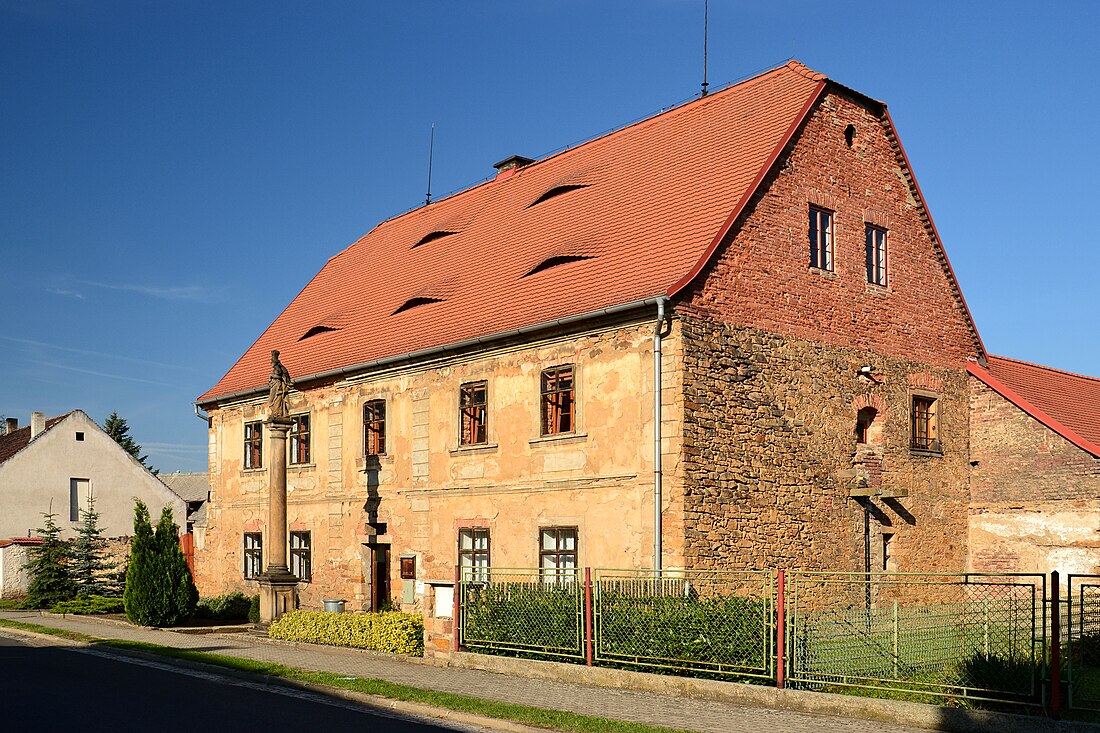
1055, 647
456, 609
780, 629
588, 616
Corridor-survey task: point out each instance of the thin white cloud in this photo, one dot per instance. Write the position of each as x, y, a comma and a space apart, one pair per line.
196, 293
65, 293
122, 377
99, 354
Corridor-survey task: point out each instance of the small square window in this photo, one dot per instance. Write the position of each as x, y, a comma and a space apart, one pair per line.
558, 554
80, 437
925, 424
876, 255
557, 400
253, 554
253, 445
299, 439
473, 553
374, 428
821, 238
473, 413
301, 559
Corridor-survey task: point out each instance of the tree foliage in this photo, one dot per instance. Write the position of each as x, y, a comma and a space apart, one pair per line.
159, 588
119, 431
49, 566
91, 570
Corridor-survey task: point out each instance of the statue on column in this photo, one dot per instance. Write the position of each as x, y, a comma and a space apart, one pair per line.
278, 388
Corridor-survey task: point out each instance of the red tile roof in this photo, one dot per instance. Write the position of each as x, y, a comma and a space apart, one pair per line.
15, 441
1067, 403
21, 541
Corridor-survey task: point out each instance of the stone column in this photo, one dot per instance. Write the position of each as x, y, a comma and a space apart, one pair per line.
277, 586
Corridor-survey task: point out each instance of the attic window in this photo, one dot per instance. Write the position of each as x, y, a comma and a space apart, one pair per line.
432, 236
557, 191
316, 330
414, 303
556, 261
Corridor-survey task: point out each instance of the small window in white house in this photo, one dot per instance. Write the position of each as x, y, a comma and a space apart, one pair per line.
80, 436
79, 491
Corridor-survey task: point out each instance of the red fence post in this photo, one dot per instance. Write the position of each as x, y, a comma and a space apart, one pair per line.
456, 609
781, 629
588, 616
1055, 647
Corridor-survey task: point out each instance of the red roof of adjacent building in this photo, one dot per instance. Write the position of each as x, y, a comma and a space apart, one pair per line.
1067, 403
21, 541
15, 441
622, 219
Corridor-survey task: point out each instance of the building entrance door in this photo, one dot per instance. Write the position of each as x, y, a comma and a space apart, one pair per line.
376, 571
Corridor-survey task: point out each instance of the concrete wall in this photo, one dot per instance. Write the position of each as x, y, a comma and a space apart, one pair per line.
36, 480
14, 580
427, 487
772, 350
1035, 496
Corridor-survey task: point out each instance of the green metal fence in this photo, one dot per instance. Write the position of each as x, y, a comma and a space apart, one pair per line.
718, 623
975, 636
1082, 642
523, 612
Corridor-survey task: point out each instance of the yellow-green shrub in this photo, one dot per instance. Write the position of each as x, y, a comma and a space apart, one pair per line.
390, 631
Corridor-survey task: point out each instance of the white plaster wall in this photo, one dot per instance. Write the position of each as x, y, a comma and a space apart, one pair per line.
14, 580
40, 473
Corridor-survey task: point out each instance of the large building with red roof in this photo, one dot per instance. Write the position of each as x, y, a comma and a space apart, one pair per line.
738, 311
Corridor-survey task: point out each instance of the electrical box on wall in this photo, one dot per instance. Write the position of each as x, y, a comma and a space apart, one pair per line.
408, 578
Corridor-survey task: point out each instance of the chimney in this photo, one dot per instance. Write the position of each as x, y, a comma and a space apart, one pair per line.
509, 165
38, 423
11, 424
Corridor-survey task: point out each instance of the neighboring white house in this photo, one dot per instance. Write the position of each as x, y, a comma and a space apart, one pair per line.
55, 465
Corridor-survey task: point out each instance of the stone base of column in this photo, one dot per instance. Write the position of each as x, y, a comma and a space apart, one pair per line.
278, 593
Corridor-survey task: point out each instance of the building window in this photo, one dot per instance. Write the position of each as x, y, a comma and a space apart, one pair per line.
925, 423
79, 491
253, 554
865, 419
558, 553
80, 436
253, 445
299, 439
557, 400
374, 428
876, 255
821, 238
473, 553
301, 561
473, 413
887, 556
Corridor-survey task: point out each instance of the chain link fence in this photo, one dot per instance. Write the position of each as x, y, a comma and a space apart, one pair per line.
1082, 642
976, 636
522, 612
719, 624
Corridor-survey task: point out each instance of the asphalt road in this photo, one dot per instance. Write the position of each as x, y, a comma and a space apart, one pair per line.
80, 689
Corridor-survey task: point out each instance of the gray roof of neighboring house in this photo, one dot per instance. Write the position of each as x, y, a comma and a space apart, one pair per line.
189, 486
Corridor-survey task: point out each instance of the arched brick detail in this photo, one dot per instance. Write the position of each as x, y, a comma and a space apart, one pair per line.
298, 527
253, 525
926, 380
869, 400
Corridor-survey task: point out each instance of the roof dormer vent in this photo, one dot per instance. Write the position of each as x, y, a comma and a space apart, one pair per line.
415, 303
508, 166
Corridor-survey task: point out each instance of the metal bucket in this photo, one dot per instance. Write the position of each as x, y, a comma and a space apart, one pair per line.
334, 606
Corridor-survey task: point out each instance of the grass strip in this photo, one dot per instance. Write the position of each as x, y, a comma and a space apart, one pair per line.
48, 630
554, 719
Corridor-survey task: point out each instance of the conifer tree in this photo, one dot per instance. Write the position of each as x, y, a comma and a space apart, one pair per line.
159, 588
119, 431
90, 568
51, 580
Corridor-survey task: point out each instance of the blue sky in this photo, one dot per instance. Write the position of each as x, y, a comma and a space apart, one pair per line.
172, 174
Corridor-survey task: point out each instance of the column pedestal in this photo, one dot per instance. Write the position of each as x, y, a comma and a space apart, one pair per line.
278, 587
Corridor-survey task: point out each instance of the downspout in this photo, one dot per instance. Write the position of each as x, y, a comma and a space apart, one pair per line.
657, 475
201, 417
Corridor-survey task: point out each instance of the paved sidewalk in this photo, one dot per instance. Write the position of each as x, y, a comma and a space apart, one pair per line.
675, 712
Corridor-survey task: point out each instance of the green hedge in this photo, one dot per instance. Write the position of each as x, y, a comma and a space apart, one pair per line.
390, 631
536, 615
89, 605
229, 607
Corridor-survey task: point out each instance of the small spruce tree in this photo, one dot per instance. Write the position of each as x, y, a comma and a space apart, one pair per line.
51, 579
90, 569
119, 431
159, 588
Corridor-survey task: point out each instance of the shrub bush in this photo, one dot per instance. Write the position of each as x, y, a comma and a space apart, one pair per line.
534, 614
159, 588
254, 610
228, 607
87, 605
390, 631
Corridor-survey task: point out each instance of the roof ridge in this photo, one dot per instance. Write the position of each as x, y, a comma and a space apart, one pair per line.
1047, 368
791, 65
